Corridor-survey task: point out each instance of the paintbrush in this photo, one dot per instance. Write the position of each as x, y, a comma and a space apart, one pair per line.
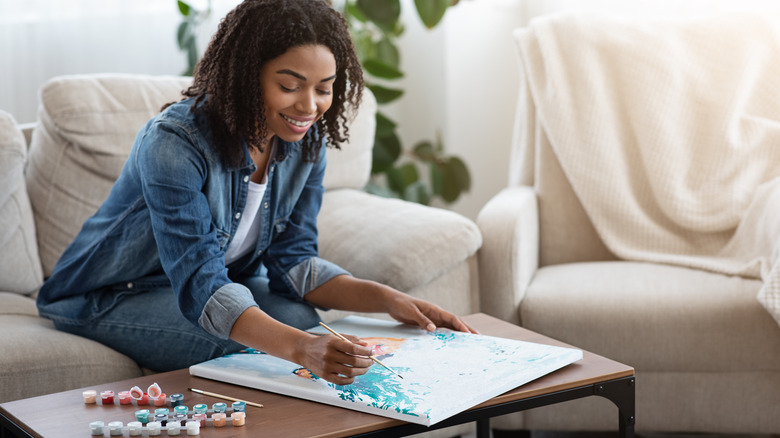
224, 397
372, 357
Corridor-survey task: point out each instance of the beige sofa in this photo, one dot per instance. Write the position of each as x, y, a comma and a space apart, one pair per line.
85, 129
705, 351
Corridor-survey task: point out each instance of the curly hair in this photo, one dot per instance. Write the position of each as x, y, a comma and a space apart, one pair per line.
227, 78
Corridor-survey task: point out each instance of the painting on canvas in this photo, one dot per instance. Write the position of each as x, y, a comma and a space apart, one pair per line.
444, 372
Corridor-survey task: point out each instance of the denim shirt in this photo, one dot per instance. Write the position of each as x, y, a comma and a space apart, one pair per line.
169, 219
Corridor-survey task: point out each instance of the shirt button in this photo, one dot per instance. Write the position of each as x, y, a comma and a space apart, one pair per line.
129, 285
259, 253
238, 215
265, 204
280, 158
246, 178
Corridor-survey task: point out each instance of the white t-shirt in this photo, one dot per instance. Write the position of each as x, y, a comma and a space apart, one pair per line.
249, 225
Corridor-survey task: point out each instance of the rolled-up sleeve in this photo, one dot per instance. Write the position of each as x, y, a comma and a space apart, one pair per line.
224, 307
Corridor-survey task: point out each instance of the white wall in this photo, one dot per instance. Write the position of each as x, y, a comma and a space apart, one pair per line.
463, 76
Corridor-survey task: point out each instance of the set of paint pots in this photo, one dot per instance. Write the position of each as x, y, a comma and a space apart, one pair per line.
135, 396
176, 422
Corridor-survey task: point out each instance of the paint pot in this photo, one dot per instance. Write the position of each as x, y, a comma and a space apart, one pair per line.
154, 390
174, 428
200, 418
142, 415
239, 406
124, 398
96, 427
200, 408
238, 418
181, 409
159, 401
180, 417
143, 401
176, 399
219, 407
193, 428
134, 428
154, 428
219, 419
107, 397
115, 428
161, 418
90, 397
162, 411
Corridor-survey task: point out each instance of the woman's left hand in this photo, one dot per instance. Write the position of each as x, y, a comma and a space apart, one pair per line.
410, 310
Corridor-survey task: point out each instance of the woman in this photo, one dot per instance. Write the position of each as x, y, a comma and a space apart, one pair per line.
208, 242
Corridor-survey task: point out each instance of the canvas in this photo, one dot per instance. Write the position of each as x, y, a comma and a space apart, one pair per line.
444, 372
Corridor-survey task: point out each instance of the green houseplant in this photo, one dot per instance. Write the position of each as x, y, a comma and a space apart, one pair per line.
375, 26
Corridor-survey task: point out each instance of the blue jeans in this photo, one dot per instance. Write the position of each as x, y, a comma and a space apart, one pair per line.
149, 327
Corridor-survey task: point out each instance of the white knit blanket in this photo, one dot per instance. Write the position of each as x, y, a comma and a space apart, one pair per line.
669, 132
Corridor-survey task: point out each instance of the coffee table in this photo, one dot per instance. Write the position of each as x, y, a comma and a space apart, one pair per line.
65, 415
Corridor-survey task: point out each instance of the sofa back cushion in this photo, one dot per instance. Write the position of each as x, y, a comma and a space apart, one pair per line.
86, 127
20, 266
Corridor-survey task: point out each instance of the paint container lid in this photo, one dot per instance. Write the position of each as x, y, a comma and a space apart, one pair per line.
200, 408
136, 393
239, 406
154, 390
176, 398
96, 427
193, 428
161, 411
115, 428
134, 428
154, 428
181, 409
219, 407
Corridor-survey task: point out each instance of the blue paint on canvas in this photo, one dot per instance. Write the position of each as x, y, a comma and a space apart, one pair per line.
444, 372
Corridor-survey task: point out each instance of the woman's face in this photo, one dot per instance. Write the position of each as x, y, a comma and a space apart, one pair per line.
297, 88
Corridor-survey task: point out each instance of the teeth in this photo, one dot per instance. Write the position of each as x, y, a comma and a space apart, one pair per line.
295, 122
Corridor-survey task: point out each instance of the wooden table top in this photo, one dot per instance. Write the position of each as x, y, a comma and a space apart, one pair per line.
65, 415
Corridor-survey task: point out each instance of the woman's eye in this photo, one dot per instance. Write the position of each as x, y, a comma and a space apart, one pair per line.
288, 90
324, 92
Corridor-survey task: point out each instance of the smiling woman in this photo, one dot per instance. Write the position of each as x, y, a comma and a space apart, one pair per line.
229, 181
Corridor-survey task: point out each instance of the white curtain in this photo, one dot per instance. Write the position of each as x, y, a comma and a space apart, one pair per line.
40, 39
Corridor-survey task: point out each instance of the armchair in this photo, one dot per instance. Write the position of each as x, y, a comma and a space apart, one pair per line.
593, 243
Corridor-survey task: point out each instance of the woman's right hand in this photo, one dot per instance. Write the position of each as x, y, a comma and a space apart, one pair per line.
334, 359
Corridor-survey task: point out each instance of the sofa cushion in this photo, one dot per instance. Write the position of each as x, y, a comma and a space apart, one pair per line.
86, 128
398, 243
654, 317
20, 266
45, 360
350, 167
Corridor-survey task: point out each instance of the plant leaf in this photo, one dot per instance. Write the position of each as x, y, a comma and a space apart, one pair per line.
183, 34
424, 151
456, 179
184, 8
431, 11
377, 68
401, 177
437, 178
352, 10
384, 94
379, 190
384, 126
387, 52
387, 149
382, 12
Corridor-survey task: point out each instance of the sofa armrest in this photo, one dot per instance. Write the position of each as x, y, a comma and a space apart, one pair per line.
398, 243
509, 256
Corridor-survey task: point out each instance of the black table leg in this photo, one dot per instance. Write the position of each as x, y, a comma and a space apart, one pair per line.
621, 392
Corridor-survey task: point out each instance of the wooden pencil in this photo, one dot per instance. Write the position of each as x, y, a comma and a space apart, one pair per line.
372, 357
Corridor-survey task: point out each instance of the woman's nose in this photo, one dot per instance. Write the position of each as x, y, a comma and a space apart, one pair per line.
307, 103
